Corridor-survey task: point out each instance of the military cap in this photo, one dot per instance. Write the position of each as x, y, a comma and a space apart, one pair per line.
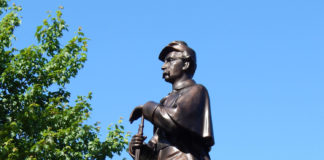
179, 46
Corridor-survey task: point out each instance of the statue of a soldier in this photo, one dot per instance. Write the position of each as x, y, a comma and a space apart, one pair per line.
182, 120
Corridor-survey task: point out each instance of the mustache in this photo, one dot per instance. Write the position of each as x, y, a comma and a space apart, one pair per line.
165, 73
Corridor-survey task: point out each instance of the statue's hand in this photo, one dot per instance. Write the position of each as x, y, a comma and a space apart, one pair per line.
137, 113
136, 142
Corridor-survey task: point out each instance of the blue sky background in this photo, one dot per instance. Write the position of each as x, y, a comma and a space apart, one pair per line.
262, 62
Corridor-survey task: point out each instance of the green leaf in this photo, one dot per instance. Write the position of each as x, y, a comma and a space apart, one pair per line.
37, 119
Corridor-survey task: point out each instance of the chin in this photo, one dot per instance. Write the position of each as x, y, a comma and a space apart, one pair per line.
166, 79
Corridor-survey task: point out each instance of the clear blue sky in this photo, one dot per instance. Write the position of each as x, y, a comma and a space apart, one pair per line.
262, 62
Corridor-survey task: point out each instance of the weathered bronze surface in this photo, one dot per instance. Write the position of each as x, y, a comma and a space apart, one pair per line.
182, 120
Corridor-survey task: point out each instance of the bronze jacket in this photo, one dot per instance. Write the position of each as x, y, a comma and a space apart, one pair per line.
182, 125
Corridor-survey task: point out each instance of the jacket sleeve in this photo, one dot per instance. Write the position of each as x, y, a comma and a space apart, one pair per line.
157, 114
191, 112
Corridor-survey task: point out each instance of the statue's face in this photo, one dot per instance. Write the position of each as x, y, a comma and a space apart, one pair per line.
173, 67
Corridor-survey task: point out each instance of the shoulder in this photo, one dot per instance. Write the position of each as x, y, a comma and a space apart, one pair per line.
196, 89
199, 87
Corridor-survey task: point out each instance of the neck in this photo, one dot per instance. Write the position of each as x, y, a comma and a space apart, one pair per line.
180, 81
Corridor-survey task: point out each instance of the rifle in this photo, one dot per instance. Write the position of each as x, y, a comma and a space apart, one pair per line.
140, 132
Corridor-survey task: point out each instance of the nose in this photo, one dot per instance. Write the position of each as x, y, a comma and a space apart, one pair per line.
164, 66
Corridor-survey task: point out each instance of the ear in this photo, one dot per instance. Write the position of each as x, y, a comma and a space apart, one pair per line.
186, 66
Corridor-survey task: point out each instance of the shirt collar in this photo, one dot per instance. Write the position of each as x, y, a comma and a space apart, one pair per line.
183, 84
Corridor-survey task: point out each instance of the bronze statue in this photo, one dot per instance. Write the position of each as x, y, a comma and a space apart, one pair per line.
182, 120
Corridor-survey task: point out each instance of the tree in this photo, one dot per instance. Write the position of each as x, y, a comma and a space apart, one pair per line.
37, 119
